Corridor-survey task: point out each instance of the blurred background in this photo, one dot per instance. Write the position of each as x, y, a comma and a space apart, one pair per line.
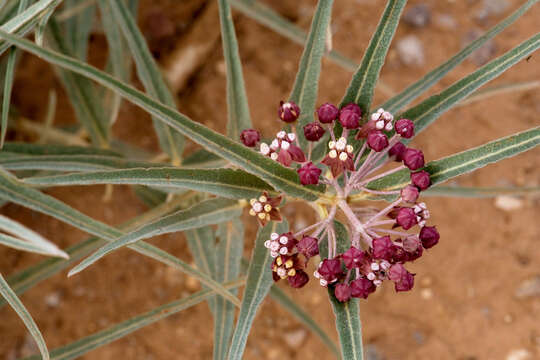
477, 293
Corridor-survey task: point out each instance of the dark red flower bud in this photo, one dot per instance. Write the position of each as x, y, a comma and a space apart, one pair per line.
409, 194
308, 246
421, 179
353, 107
406, 218
327, 113
353, 257
313, 131
361, 288
403, 279
396, 152
383, 248
405, 128
377, 140
288, 111
299, 279
250, 137
330, 269
342, 292
411, 256
309, 174
413, 159
429, 236
296, 153
349, 119
411, 244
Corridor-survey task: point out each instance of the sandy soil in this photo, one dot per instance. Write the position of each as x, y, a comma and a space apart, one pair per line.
464, 306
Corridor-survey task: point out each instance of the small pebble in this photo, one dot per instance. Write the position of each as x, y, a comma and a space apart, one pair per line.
529, 288
508, 318
53, 299
508, 203
445, 21
295, 338
482, 55
371, 352
519, 354
426, 294
418, 15
411, 51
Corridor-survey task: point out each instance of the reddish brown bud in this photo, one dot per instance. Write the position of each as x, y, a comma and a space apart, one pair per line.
361, 288
349, 119
429, 236
313, 131
353, 257
330, 269
342, 292
250, 137
383, 248
406, 218
396, 152
405, 128
377, 140
413, 159
299, 279
288, 111
308, 246
327, 113
353, 107
309, 174
409, 194
421, 179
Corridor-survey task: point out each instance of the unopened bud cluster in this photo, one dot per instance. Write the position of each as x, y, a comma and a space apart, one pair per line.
381, 242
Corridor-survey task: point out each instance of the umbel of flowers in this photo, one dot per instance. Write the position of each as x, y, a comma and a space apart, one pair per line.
382, 241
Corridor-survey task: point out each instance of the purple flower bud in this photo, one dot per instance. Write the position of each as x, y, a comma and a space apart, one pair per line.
288, 111
383, 248
411, 244
313, 131
309, 174
406, 284
330, 269
403, 279
396, 152
327, 113
353, 107
308, 246
409, 194
296, 153
429, 236
421, 179
349, 119
405, 128
353, 257
342, 292
413, 159
250, 137
406, 218
377, 140
361, 288
298, 280
411, 256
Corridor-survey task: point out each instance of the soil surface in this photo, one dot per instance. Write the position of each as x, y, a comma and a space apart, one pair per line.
466, 304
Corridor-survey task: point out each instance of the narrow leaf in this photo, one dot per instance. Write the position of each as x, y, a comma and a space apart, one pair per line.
82, 346
418, 88
496, 90
171, 141
236, 184
282, 178
461, 163
11, 189
258, 284
51, 149
306, 84
228, 257
237, 102
34, 241
19, 308
362, 85
205, 213
430, 109
23, 245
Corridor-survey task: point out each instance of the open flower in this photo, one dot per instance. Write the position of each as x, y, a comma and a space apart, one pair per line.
283, 150
265, 208
340, 156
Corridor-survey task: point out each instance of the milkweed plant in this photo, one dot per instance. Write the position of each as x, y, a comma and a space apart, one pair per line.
352, 162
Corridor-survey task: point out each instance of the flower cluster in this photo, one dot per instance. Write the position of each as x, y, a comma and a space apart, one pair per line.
381, 241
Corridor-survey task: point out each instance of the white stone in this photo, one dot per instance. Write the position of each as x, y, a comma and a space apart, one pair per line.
519, 354
508, 203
